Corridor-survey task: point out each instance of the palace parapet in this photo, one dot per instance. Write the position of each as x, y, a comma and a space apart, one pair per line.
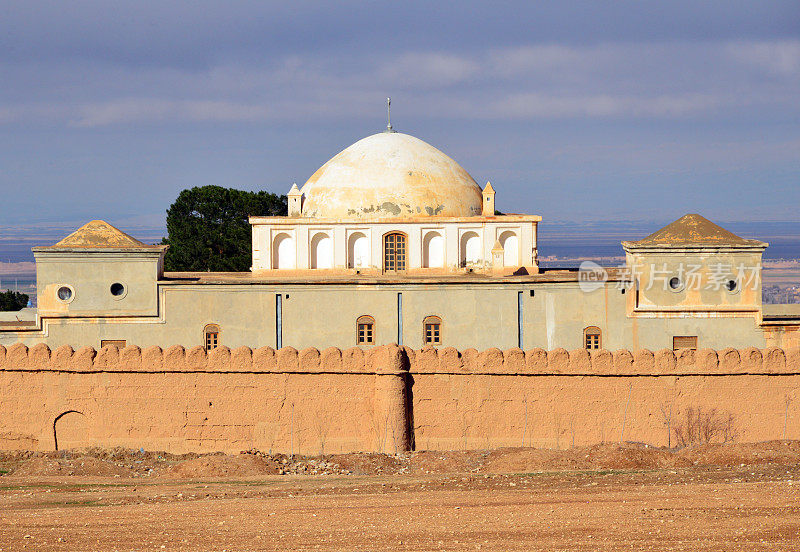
394, 360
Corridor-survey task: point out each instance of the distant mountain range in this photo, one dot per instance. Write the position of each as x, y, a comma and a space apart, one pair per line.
557, 239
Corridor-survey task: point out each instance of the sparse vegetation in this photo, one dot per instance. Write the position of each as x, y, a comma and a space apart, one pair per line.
701, 427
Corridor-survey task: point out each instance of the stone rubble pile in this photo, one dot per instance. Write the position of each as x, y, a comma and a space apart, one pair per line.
297, 465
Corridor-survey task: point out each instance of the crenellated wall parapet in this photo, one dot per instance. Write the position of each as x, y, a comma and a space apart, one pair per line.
581, 362
195, 359
391, 359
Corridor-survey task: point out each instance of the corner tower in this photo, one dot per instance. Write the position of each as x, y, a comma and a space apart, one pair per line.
694, 265
98, 270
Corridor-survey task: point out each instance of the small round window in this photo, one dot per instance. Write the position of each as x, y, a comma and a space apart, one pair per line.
65, 294
118, 290
674, 282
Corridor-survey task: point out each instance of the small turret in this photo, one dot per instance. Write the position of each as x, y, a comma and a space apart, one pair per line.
295, 201
488, 200
497, 255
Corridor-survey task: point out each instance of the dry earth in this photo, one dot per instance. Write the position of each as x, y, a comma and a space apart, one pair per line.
606, 497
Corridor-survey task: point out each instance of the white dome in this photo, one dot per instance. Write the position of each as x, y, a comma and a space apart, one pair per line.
391, 175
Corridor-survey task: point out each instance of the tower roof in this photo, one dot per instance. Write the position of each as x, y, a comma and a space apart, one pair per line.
98, 234
693, 230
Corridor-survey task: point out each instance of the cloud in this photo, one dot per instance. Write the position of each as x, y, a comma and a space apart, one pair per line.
542, 106
779, 57
512, 62
140, 110
428, 70
536, 81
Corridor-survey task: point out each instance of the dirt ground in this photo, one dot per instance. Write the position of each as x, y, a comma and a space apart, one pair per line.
606, 497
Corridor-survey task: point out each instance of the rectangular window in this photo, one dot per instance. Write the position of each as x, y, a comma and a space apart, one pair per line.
684, 342
592, 341
433, 333
212, 340
118, 343
365, 333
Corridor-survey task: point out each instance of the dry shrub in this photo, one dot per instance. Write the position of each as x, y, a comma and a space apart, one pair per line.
700, 427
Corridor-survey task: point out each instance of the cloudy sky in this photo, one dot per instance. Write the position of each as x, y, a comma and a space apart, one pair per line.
577, 111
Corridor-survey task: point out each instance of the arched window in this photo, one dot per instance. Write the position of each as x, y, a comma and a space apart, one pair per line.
394, 252
592, 338
432, 330
321, 251
283, 252
365, 330
433, 250
470, 248
358, 250
211, 335
510, 243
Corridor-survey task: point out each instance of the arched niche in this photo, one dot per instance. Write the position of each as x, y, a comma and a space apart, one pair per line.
358, 250
321, 251
510, 243
283, 252
433, 250
470, 248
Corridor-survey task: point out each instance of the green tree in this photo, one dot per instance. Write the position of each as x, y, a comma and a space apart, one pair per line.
208, 228
12, 300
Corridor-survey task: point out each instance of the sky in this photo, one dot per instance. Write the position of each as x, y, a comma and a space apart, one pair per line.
579, 111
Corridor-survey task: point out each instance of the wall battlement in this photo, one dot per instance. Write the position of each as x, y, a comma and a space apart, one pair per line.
386, 399
391, 358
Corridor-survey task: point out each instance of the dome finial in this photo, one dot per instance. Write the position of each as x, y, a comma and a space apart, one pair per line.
389, 115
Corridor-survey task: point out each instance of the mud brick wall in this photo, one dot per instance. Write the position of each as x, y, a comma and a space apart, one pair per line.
182, 400
386, 399
559, 398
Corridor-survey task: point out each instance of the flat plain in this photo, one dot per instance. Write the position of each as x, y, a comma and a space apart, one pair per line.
724, 498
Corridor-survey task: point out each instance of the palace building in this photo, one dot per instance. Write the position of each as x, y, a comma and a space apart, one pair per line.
392, 241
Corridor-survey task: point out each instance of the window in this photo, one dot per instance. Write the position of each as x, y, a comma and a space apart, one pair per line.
684, 342
65, 294
592, 337
394, 252
211, 333
118, 290
432, 330
118, 343
365, 330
